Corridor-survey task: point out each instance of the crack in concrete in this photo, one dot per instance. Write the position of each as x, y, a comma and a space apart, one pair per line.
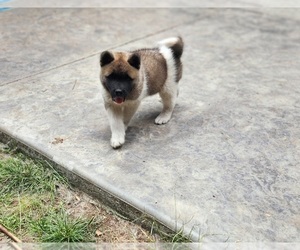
98, 52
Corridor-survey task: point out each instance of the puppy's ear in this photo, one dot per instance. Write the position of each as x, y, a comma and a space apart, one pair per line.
135, 61
106, 57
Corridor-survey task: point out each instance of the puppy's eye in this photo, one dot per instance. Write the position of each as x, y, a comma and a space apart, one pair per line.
119, 77
110, 76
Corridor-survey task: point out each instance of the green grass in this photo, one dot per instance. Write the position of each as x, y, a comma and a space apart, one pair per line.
18, 174
29, 207
32, 209
166, 236
59, 227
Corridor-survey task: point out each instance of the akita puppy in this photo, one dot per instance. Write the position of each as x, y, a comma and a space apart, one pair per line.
128, 77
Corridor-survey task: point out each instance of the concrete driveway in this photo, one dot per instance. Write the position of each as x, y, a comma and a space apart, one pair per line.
227, 165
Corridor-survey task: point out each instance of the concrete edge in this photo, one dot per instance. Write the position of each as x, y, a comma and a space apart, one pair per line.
123, 208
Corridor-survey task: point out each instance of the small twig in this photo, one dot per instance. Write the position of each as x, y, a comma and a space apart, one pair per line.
9, 234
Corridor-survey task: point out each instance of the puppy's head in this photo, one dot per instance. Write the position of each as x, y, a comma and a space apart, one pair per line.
120, 74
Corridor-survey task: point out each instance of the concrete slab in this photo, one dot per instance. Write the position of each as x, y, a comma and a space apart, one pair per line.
60, 36
225, 168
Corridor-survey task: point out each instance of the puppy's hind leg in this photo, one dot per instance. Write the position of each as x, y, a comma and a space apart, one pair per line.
168, 96
171, 49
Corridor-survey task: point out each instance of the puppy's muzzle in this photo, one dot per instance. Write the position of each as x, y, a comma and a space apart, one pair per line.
119, 92
119, 96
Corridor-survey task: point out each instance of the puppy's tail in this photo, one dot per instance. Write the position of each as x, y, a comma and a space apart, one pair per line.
175, 44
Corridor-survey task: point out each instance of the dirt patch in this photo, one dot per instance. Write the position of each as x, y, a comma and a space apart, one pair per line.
107, 226
111, 228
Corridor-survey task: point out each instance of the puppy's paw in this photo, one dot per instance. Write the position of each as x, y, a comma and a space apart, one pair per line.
163, 118
117, 141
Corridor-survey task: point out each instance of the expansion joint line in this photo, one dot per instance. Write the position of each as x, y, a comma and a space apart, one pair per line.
98, 52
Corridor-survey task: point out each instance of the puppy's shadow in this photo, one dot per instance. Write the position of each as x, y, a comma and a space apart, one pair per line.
140, 126
145, 118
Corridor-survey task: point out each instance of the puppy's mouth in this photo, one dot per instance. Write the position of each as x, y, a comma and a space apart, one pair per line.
119, 99
118, 95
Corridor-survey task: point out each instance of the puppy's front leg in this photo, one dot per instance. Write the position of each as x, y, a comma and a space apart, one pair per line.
129, 111
115, 117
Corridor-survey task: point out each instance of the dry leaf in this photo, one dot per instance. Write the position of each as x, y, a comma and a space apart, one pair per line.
98, 233
57, 140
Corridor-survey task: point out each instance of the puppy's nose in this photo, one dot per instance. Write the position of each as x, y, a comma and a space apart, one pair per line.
119, 92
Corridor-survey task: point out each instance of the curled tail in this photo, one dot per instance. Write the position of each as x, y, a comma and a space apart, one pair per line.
175, 44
